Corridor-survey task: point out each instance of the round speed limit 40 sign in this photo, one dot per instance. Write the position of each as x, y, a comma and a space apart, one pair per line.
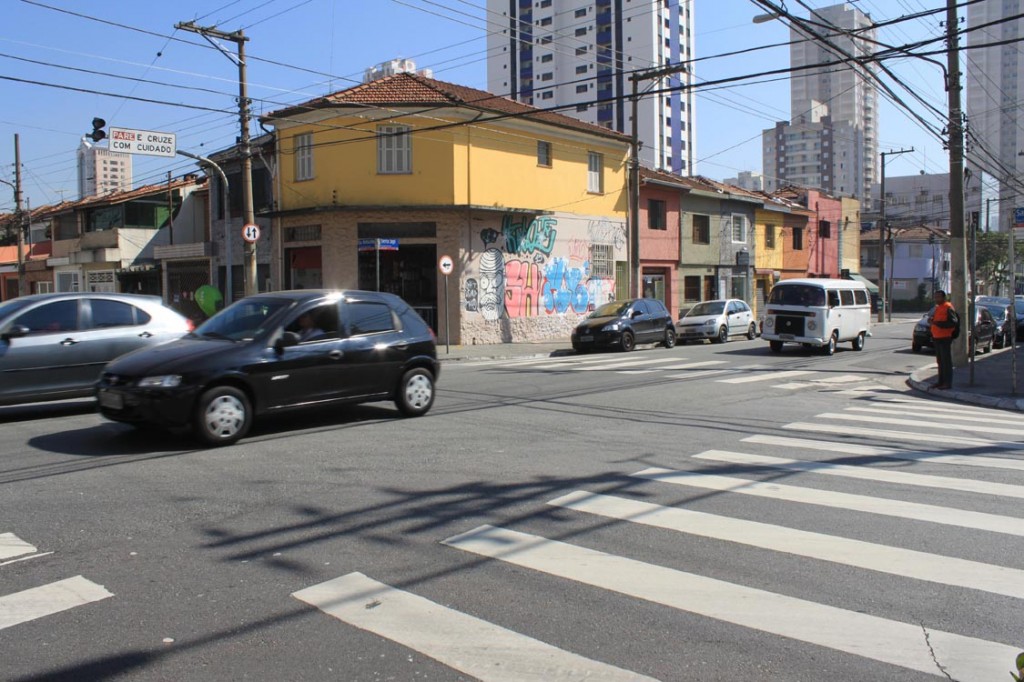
445, 264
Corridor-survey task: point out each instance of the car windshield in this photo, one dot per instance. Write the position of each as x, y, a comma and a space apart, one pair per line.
243, 320
707, 308
13, 306
797, 294
613, 309
998, 311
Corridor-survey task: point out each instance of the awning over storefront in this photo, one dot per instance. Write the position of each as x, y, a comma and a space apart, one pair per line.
857, 277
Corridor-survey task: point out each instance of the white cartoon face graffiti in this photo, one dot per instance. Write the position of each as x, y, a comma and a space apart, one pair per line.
492, 284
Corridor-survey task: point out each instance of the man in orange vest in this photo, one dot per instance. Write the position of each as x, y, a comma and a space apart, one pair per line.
942, 326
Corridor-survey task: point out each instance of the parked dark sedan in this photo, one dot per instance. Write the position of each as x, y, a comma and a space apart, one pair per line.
985, 330
54, 346
1001, 318
623, 324
274, 352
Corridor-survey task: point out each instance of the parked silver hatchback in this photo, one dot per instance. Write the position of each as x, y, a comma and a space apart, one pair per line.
54, 346
716, 320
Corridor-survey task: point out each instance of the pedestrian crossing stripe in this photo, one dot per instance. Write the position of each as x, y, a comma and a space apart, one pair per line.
992, 523
767, 376
11, 546
866, 473
892, 453
967, 659
46, 600
857, 553
934, 424
913, 412
888, 434
669, 368
460, 641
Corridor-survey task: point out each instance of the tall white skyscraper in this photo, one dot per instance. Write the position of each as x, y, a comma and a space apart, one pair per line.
831, 141
995, 86
101, 171
578, 54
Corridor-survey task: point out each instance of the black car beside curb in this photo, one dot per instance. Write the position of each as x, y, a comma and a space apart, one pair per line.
983, 339
623, 324
249, 359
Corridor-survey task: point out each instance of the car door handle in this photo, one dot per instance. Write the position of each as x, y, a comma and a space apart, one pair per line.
336, 355
146, 335
69, 342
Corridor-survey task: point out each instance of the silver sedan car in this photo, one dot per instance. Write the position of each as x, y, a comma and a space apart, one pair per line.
717, 321
54, 346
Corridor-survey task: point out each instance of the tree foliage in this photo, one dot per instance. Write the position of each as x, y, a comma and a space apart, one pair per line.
993, 260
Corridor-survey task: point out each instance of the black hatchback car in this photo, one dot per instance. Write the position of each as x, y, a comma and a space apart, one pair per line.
274, 352
623, 324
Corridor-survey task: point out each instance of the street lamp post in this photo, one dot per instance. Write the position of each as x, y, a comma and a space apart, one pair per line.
882, 231
19, 217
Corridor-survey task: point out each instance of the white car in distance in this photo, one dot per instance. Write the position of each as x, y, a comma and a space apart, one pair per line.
717, 320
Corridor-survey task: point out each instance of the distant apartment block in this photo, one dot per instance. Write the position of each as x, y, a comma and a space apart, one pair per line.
577, 55
101, 171
748, 180
831, 141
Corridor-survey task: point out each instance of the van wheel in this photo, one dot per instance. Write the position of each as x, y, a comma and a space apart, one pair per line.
415, 393
776, 346
830, 347
723, 335
752, 331
223, 415
858, 343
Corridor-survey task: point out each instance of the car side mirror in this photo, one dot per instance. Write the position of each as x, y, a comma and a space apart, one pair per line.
636, 314
15, 332
285, 340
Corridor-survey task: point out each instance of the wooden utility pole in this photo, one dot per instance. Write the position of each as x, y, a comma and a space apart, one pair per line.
20, 219
248, 215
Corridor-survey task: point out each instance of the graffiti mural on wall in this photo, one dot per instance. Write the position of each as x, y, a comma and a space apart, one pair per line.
525, 271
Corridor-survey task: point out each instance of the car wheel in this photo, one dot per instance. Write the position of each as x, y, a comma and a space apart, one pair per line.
628, 342
858, 343
415, 393
223, 415
988, 347
916, 347
723, 335
670, 338
776, 346
830, 347
752, 331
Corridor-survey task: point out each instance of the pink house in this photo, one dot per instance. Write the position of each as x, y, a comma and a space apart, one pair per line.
660, 195
823, 230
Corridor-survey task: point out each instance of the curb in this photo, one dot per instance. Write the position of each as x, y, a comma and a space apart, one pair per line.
1014, 404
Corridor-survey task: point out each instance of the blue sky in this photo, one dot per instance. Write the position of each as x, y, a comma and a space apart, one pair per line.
300, 49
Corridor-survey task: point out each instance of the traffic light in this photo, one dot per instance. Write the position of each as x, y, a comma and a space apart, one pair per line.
97, 133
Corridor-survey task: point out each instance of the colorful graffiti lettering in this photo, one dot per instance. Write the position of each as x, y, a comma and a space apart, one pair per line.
606, 232
523, 238
524, 287
579, 250
565, 287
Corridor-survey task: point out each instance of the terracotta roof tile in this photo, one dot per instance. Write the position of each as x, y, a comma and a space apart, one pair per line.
409, 89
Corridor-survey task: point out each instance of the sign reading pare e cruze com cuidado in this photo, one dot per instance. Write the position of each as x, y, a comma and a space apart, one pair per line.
134, 141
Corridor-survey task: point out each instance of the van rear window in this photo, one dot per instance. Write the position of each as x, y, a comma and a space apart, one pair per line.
861, 297
797, 294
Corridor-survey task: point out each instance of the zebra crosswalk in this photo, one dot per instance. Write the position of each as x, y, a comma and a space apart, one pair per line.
849, 452
43, 600
674, 367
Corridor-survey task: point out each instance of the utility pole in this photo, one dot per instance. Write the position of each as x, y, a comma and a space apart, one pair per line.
227, 216
883, 230
636, 285
22, 282
957, 247
248, 216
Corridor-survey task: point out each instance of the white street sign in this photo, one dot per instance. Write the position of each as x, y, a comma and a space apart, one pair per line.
251, 233
446, 265
148, 142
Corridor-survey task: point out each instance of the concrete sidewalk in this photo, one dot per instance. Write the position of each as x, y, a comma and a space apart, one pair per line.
992, 385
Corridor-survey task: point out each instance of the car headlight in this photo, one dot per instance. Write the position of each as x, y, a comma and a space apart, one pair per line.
710, 323
162, 381
812, 325
610, 327
922, 327
769, 322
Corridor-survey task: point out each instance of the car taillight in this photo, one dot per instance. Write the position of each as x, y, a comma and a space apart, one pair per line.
190, 325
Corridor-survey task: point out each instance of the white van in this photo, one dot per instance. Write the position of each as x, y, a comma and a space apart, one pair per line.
817, 313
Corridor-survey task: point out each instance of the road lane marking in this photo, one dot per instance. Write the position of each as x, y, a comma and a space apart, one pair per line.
460, 641
11, 546
933, 424
625, 363
687, 365
768, 376
699, 373
947, 516
46, 600
867, 473
901, 644
886, 434
914, 412
871, 451
882, 558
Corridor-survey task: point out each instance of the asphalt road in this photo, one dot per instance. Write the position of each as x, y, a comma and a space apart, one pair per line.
701, 513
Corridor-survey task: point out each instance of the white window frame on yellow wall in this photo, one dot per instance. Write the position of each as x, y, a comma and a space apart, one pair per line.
595, 172
394, 149
304, 156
